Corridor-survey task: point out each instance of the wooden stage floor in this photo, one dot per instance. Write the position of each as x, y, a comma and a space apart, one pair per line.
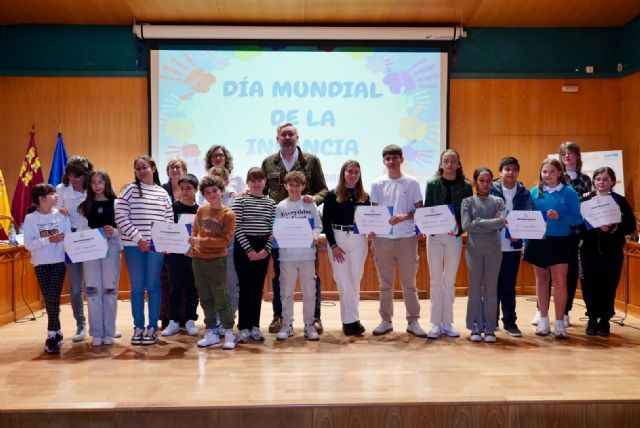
393, 380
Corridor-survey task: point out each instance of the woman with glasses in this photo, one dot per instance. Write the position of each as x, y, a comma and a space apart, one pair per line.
176, 168
218, 155
602, 255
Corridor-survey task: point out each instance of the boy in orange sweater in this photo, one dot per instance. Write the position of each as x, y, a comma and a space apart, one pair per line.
211, 234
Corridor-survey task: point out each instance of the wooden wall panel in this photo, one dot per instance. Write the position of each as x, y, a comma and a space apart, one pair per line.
492, 118
104, 119
630, 136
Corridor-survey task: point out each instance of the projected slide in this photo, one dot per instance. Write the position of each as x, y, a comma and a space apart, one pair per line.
347, 103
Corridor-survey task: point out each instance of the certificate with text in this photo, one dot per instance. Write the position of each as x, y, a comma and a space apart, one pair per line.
526, 224
292, 233
170, 237
600, 211
435, 220
85, 245
373, 218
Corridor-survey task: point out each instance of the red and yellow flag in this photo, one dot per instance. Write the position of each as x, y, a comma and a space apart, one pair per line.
30, 175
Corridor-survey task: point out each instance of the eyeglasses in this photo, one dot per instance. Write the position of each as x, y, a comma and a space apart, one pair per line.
142, 168
175, 167
217, 155
602, 179
449, 162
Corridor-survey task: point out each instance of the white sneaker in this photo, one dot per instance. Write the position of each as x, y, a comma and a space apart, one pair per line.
559, 330
415, 329
172, 328
536, 318
96, 341
285, 332
117, 334
447, 329
543, 328
191, 328
566, 320
107, 340
434, 332
81, 333
210, 338
383, 328
229, 339
310, 332
475, 334
256, 334
243, 336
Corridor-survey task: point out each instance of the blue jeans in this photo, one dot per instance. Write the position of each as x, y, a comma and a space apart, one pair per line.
144, 271
77, 303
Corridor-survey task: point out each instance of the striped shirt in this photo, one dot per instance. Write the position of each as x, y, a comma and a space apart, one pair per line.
254, 216
135, 213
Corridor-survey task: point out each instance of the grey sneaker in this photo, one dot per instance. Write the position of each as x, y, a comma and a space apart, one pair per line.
285, 333
243, 336
256, 334
191, 328
415, 329
81, 333
150, 336
475, 334
434, 332
383, 328
310, 332
229, 340
489, 336
172, 328
449, 330
136, 339
210, 338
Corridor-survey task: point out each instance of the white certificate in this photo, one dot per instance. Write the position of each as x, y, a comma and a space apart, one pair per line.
85, 245
600, 211
293, 233
186, 218
526, 224
170, 237
435, 220
373, 218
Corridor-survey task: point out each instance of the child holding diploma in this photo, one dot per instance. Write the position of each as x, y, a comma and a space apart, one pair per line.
181, 283
44, 229
298, 262
602, 256
550, 255
449, 187
102, 276
482, 217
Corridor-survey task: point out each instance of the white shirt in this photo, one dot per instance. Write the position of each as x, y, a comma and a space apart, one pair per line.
288, 164
508, 194
400, 193
70, 199
557, 188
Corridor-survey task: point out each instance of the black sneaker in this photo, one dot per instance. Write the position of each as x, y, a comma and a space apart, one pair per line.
353, 329
138, 333
592, 327
51, 346
604, 329
150, 336
512, 330
276, 324
59, 338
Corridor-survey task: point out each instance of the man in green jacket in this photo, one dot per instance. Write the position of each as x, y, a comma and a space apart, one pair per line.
291, 158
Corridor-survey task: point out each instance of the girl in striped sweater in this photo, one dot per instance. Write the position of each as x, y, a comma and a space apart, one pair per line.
140, 204
254, 227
